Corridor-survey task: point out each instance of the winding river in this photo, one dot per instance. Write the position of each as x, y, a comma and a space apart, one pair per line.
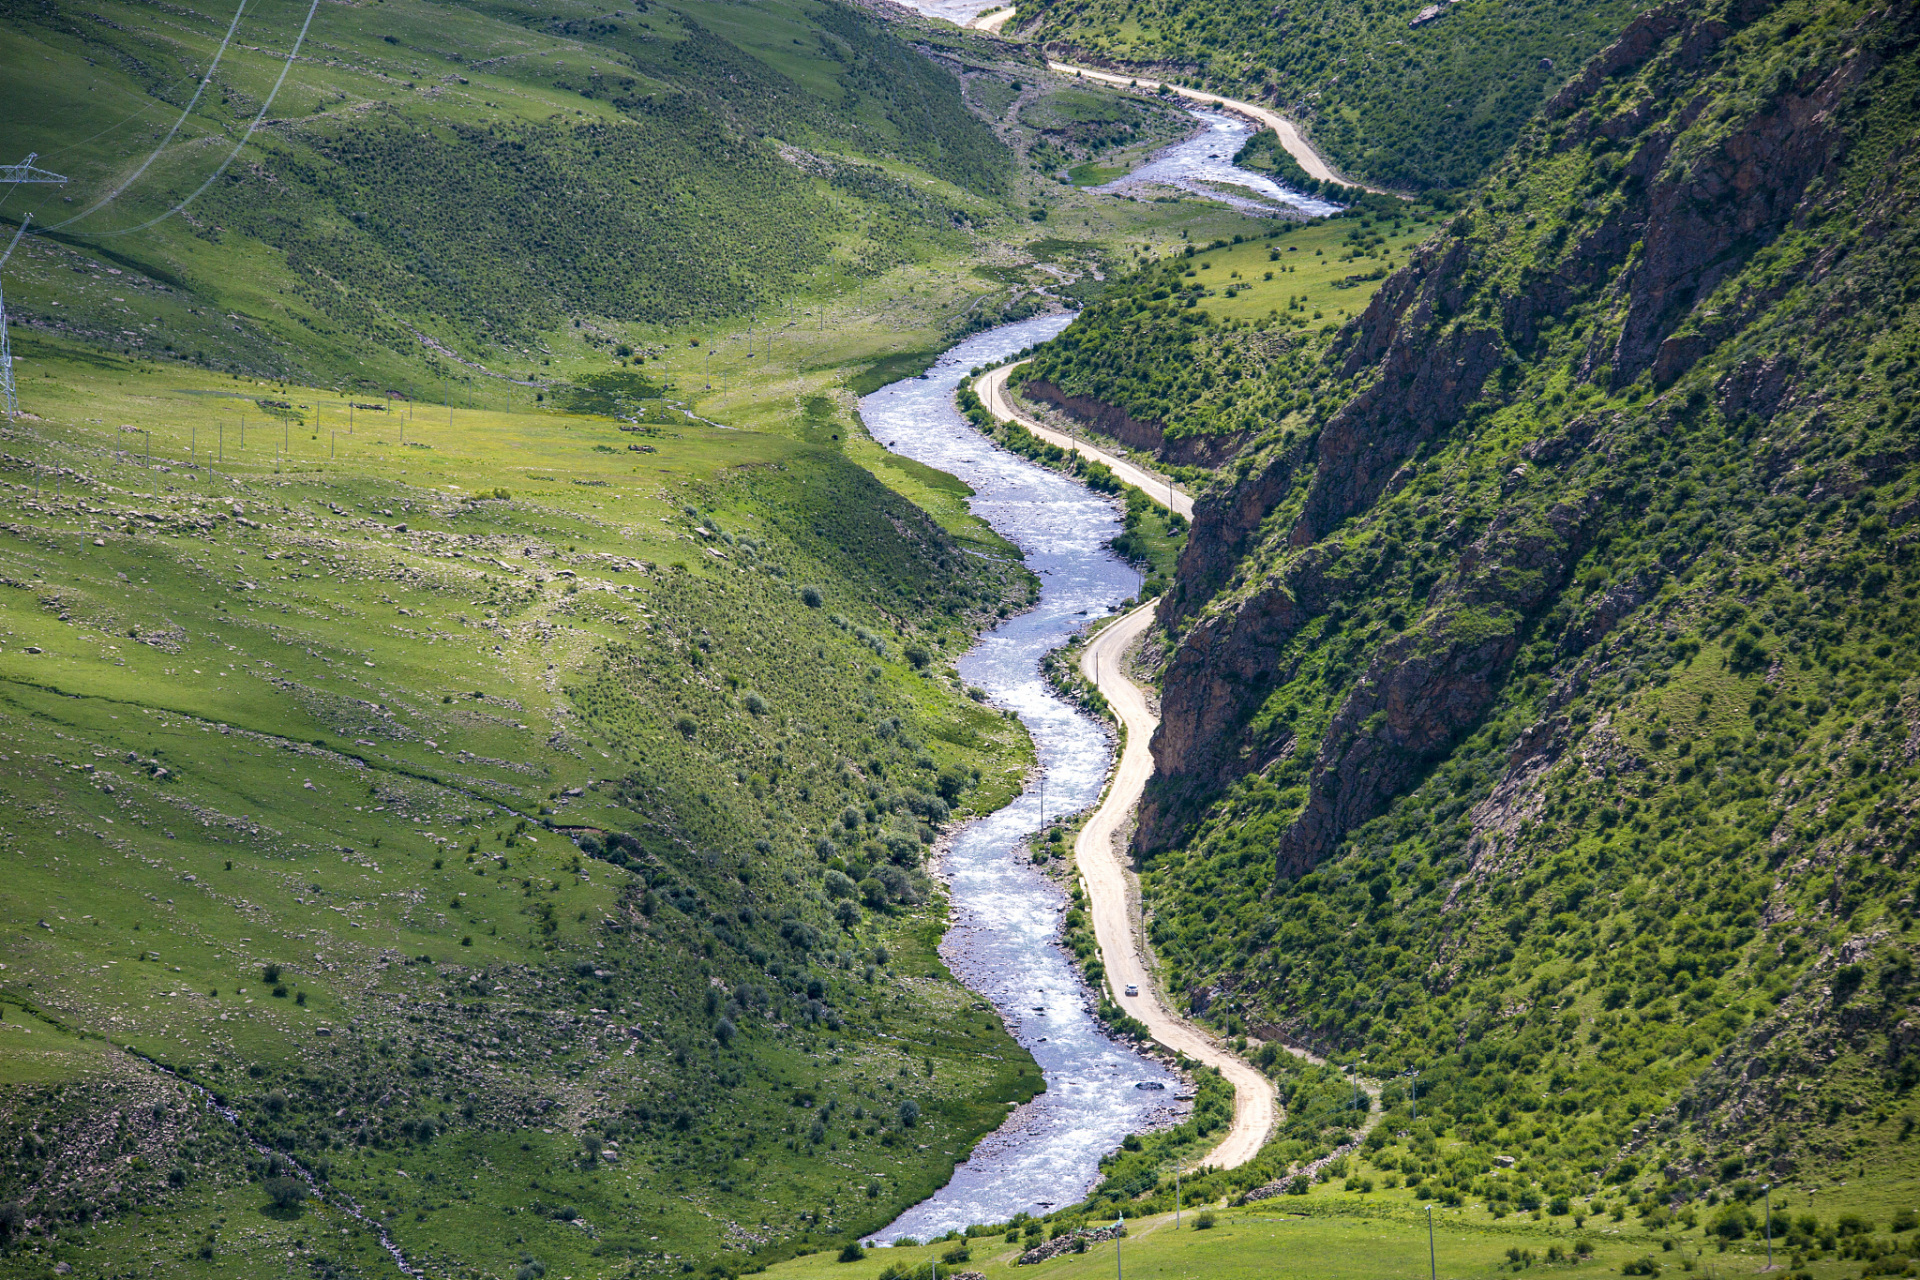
1202, 165
1005, 915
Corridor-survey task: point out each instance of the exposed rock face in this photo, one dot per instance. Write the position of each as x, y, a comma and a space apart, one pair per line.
1427, 685
1135, 433
1428, 357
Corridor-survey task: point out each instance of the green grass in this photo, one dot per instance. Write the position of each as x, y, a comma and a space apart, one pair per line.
248, 739
1325, 1235
1222, 338
1537, 732
511, 736
1410, 108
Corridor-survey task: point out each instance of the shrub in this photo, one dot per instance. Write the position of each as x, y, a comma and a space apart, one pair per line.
1640, 1267
286, 1193
1203, 1221
909, 1113
811, 597
270, 973
852, 1252
1733, 1222
724, 1031
756, 704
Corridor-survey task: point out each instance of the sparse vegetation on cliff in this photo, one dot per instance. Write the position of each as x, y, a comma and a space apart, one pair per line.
1541, 681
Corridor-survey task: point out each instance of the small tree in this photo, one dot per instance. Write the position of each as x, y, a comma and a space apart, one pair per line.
286, 1193
591, 1145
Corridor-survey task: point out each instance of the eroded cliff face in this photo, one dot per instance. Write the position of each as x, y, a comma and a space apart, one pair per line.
1135, 433
1658, 251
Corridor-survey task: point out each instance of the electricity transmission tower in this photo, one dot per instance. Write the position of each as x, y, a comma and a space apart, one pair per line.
15, 174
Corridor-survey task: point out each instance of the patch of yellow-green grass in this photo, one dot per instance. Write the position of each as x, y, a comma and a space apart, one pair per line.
1312, 269
37, 1050
1336, 1238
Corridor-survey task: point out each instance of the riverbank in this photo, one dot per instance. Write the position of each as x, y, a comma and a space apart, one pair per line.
1286, 130
1005, 915
992, 390
1113, 898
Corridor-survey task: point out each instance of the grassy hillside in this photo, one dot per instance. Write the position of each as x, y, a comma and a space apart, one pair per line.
476, 703
444, 813
1540, 678
449, 194
1408, 107
1194, 353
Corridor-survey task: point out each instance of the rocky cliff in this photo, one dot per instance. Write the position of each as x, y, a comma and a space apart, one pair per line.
1542, 705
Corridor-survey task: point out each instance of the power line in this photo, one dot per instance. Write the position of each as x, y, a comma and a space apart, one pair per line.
246, 137
166, 141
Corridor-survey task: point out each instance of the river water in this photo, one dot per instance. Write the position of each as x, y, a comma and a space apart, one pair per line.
1202, 165
1005, 915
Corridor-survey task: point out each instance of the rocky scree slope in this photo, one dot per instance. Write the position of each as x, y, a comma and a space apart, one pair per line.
1541, 708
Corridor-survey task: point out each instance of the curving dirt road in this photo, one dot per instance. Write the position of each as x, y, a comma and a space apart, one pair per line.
991, 21
992, 390
1254, 1107
1289, 133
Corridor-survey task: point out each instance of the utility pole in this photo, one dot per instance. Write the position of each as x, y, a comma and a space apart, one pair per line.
1176, 1195
1768, 1192
1413, 1095
16, 174
1432, 1267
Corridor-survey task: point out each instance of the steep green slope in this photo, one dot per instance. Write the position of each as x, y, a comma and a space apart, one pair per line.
1192, 358
1541, 685
1408, 107
443, 192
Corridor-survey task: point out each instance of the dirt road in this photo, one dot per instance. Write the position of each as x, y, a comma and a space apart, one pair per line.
1289, 134
992, 390
1121, 949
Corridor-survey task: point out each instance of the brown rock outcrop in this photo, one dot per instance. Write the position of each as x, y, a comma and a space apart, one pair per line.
1135, 433
1428, 350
